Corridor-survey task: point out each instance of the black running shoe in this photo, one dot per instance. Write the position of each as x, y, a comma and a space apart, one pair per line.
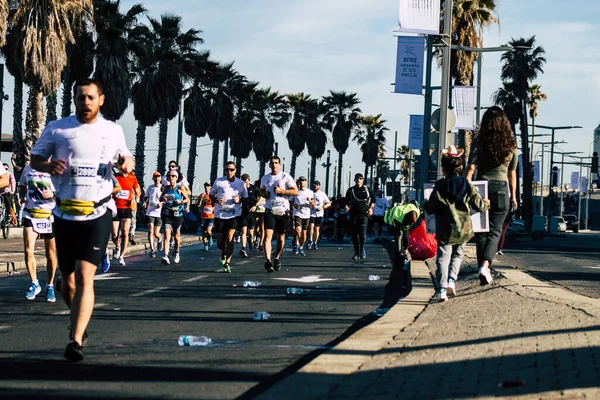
243, 253
74, 352
277, 264
84, 339
269, 266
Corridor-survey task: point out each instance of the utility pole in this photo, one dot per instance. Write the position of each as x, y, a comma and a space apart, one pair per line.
327, 172
179, 131
395, 157
445, 95
426, 120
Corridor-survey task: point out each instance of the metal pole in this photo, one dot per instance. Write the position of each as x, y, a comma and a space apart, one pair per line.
587, 202
395, 157
180, 132
349, 176
579, 197
478, 105
426, 120
327, 172
335, 175
562, 167
542, 182
445, 82
551, 163
276, 148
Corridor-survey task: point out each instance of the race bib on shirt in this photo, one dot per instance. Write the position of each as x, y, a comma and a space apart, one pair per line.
123, 195
41, 226
228, 209
278, 203
169, 198
83, 172
208, 209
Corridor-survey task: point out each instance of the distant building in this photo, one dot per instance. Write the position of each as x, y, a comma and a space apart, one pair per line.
597, 140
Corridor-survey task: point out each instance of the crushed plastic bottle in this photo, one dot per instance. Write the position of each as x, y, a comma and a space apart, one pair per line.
380, 312
374, 277
261, 316
186, 340
295, 290
251, 284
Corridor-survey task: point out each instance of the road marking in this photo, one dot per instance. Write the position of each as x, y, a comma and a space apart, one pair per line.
4, 327
150, 291
196, 278
255, 295
67, 312
109, 276
307, 279
598, 267
243, 262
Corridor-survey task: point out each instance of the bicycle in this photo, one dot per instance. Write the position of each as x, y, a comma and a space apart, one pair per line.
5, 218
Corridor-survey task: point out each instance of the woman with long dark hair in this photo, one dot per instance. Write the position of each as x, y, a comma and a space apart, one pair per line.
494, 155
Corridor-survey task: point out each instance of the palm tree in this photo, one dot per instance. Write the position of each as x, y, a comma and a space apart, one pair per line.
297, 135
342, 117
51, 104
383, 170
241, 135
403, 156
535, 95
316, 136
112, 53
505, 98
370, 136
4, 13
80, 64
270, 109
519, 68
164, 59
46, 29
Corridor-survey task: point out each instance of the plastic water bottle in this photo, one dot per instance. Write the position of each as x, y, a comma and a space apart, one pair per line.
406, 264
251, 284
186, 340
295, 290
374, 277
261, 316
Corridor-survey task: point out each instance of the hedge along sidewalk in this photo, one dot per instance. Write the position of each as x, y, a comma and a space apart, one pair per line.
12, 258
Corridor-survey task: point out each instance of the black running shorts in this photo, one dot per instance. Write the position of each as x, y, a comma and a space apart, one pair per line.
316, 221
278, 223
81, 240
123, 213
172, 223
248, 220
224, 225
303, 222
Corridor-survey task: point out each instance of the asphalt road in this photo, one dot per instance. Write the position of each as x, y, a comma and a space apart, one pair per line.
571, 261
142, 308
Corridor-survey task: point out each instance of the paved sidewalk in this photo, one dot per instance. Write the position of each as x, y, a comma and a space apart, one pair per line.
12, 258
518, 338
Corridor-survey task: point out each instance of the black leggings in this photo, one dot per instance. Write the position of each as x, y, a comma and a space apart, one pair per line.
487, 242
359, 232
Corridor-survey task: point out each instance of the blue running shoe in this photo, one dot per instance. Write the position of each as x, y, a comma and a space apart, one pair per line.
301, 251
106, 262
50, 296
32, 291
363, 254
210, 242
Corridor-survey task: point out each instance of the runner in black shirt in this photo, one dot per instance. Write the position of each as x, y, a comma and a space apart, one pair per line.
249, 214
359, 202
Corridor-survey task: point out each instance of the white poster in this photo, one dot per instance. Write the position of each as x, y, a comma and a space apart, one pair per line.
415, 132
463, 100
480, 220
409, 65
420, 16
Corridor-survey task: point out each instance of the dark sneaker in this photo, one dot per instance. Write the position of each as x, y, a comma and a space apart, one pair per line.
301, 251
269, 266
277, 264
84, 339
243, 253
226, 268
295, 248
74, 352
355, 257
315, 246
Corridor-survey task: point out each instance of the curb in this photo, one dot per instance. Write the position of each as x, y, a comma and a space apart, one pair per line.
317, 378
12, 267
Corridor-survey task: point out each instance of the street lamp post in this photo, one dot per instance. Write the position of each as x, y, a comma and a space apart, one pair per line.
562, 175
542, 173
327, 172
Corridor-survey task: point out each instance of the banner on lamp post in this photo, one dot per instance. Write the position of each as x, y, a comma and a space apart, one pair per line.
575, 180
409, 65
422, 16
415, 132
463, 99
536, 171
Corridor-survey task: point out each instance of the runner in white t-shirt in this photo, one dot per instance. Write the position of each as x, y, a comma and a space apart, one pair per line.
317, 213
228, 192
37, 190
276, 188
153, 212
302, 203
79, 152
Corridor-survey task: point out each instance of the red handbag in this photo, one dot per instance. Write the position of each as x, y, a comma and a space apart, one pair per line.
421, 245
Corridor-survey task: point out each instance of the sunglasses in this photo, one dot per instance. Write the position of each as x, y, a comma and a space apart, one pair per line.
173, 176
172, 166
230, 169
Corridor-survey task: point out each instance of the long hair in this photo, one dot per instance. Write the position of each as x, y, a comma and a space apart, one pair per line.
495, 135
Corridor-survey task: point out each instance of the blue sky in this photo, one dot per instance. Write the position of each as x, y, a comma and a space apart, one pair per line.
314, 46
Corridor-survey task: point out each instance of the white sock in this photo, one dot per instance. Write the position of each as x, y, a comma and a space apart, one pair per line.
36, 282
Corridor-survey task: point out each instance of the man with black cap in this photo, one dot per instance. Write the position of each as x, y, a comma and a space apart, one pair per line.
302, 203
317, 213
360, 203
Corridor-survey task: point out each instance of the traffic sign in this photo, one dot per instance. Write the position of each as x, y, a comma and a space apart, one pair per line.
450, 120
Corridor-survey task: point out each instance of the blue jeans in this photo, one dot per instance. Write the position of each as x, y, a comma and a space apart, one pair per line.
449, 258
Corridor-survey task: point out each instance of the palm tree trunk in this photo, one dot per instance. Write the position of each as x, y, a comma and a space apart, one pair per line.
67, 96
191, 169
532, 137
161, 159
215, 160
261, 169
18, 142
34, 118
339, 175
313, 169
366, 175
238, 164
140, 157
293, 165
225, 154
51, 104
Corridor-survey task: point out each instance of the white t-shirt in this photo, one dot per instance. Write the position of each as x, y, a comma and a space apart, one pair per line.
269, 182
224, 189
303, 200
153, 209
320, 200
381, 204
89, 151
37, 183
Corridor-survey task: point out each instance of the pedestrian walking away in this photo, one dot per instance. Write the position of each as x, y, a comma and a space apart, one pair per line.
451, 201
248, 220
207, 215
37, 191
130, 190
317, 214
79, 152
153, 213
174, 199
494, 154
276, 188
381, 206
301, 205
359, 203
228, 193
